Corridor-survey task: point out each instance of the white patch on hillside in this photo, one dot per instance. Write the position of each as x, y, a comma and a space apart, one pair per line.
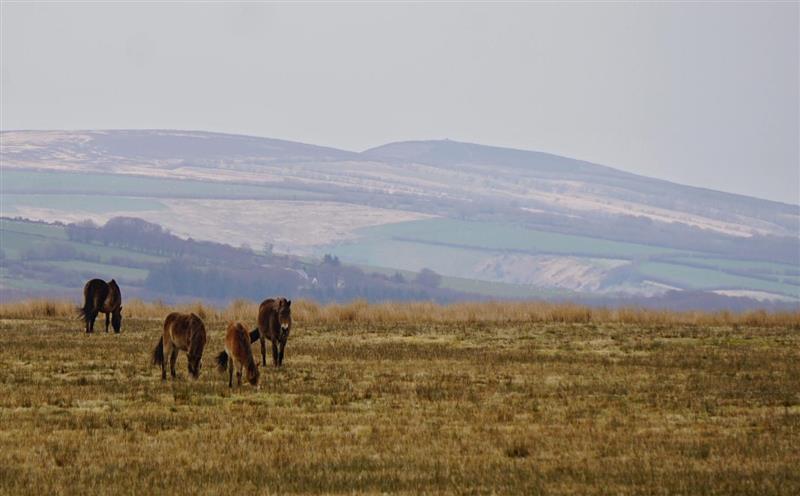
291, 226
755, 295
546, 271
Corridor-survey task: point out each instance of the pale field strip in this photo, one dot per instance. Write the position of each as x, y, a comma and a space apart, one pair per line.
295, 226
754, 294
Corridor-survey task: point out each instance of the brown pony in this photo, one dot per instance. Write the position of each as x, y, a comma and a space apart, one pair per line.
274, 323
100, 296
181, 332
238, 353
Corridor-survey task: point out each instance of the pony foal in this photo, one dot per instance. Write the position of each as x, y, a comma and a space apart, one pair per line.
238, 353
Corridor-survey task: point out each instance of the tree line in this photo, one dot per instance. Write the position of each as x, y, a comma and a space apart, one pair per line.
214, 270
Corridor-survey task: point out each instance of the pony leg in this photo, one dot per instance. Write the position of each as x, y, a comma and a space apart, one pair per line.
275, 353
230, 371
108, 320
280, 352
172, 359
263, 349
90, 322
166, 349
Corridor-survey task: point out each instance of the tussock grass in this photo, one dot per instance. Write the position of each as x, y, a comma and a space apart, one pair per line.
488, 398
359, 311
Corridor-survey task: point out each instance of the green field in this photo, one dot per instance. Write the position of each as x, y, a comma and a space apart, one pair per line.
490, 236
25, 283
21, 243
33, 228
711, 279
18, 236
409, 256
63, 183
91, 270
739, 265
474, 286
457, 249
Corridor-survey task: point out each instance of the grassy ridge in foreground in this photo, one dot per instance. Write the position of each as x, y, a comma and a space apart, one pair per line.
424, 312
372, 400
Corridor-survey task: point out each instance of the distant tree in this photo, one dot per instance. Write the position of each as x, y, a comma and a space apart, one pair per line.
332, 260
398, 278
84, 231
428, 278
268, 247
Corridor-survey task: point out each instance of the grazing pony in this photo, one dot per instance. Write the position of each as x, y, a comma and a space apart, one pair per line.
274, 323
181, 332
238, 353
100, 296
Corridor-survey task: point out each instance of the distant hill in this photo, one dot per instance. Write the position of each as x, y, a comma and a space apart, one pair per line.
496, 221
587, 186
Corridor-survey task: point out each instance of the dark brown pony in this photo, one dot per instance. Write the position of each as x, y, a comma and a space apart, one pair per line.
100, 296
181, 332
274, 323
238, 353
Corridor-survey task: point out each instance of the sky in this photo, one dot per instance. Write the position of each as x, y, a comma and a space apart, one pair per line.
704, 94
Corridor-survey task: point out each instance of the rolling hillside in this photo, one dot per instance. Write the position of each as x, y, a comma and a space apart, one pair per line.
54, 260
528, 223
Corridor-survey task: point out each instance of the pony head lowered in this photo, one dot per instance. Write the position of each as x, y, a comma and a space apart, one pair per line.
197, 341
116, 313
116, 319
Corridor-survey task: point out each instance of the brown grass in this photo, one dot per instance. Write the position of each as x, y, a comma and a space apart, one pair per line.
361, 312
371, 399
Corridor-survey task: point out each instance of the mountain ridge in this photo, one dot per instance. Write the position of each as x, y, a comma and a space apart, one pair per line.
465, 210
373, 152
516, 157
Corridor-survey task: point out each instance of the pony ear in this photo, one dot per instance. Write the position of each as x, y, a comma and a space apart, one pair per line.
288, 303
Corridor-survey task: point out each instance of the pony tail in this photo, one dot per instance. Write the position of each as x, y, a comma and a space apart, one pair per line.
254, 335
158, 352
84, 311
222, 361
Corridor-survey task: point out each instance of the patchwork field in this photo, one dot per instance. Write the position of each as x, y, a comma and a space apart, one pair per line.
300, 216
540, 260
474, 399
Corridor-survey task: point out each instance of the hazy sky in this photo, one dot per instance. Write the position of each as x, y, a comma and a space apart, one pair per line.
702, 94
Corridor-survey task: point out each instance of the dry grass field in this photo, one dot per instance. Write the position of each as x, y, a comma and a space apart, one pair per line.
470, 399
